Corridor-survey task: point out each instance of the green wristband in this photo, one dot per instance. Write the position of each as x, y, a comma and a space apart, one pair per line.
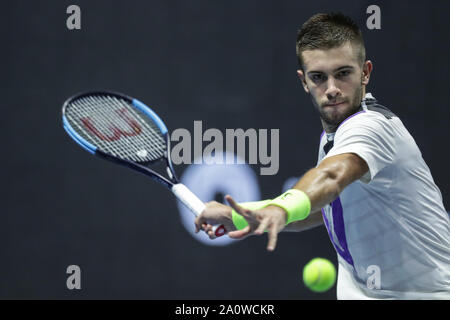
295, 202
239, 221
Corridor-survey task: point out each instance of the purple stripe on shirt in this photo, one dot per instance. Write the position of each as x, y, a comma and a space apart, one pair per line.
323, 132
337, 215
339, 230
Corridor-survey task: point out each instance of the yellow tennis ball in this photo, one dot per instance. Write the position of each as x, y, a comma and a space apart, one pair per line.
319, 275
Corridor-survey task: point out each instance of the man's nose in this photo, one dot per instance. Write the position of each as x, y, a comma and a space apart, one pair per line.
332, 91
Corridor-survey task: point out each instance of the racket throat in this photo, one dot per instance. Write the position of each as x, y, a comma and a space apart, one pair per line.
169, 173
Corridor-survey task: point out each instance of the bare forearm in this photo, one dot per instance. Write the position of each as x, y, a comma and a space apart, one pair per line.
320, 187
314, 220
323, 184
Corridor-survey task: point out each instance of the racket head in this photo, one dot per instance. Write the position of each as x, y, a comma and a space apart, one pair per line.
115, 125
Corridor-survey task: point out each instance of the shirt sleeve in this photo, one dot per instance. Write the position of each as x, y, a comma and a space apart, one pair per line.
370, 137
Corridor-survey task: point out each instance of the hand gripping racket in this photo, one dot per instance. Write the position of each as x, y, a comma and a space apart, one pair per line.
124, 130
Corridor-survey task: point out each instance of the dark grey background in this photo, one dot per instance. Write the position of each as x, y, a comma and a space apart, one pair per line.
230, 64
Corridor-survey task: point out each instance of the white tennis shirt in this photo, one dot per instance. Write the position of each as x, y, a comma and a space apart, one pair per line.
390, 228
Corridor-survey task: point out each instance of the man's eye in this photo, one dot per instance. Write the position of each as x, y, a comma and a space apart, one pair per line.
343, 73
317, 77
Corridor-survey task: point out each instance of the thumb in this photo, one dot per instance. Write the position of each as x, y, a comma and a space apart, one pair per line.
239, 234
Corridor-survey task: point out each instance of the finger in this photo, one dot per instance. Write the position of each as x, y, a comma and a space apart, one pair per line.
262, 226
238, 234
273, 235
242, 211
211, 235
199, 221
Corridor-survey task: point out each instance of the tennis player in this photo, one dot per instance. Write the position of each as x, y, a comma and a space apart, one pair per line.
371, 187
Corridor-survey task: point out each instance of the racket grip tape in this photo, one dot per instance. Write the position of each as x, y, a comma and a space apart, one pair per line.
193, 203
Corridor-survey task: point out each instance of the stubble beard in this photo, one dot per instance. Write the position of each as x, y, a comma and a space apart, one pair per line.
333, 121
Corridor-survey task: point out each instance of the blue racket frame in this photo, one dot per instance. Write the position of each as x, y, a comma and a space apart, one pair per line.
142, 168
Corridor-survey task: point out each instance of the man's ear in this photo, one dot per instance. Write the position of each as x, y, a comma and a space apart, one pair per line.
301, 75
367, 70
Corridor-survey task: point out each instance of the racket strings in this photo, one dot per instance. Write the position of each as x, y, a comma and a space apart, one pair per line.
137, 146
116, 127
117, 147
150, 140
122, 146
153, 131
151, 134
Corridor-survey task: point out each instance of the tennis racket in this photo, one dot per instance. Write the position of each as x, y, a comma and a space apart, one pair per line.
123, 130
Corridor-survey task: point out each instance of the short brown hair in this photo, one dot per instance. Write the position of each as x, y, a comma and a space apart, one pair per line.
327, 31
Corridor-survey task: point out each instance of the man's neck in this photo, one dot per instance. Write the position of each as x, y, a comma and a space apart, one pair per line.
329, 128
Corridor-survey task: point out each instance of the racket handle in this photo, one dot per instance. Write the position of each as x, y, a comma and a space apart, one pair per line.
193, 203
219, 230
